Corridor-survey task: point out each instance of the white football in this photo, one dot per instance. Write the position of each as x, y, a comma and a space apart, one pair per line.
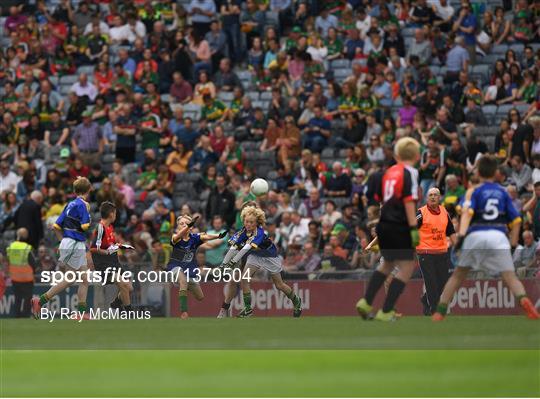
259, 187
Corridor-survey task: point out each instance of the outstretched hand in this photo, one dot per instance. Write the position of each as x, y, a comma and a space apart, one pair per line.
192, 223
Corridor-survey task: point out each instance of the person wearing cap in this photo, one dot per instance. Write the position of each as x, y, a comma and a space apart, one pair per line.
291, 42
87, 140
434, 226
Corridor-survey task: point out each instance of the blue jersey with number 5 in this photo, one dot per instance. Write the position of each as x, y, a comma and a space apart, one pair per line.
492, 207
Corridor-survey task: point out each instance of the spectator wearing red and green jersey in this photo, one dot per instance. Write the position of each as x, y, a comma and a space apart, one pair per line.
151, 129
62, 64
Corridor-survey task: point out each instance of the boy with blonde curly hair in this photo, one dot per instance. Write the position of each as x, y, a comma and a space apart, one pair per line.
261, 253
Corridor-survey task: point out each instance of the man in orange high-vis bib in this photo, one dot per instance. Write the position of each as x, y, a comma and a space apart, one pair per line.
434, 226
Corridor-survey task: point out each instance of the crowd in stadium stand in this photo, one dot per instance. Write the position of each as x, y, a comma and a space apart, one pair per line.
171, 107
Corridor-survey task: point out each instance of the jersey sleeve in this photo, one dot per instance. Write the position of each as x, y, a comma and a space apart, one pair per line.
84, 215
99, 236
197, 239
474, 202
419, 218
60, 220
410, 185
376, 187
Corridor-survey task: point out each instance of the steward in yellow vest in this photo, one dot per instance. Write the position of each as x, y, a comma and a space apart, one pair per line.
21, 270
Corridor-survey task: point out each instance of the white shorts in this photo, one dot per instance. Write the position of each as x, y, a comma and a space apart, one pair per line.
72, 253
487, 250
272, 265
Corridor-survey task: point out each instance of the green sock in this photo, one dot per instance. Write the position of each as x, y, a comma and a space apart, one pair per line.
294, 298
43, 299
81, 307
442, 308
247, 301
183, 300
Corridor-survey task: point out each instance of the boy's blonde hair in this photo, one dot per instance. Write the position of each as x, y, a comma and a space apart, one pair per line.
185, 216
407, 149
81, 185
256, 212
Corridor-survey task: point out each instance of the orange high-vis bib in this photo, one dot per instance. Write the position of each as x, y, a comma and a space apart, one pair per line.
21, 273
433, 231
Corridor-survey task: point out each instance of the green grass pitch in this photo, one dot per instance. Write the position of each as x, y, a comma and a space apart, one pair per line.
311, 356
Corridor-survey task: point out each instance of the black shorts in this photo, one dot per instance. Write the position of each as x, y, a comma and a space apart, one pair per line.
107, 262
395, 241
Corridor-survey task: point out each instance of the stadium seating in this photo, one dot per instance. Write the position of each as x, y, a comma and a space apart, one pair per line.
264, 164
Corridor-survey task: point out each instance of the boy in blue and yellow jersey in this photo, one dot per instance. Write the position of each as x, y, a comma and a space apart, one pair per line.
260, 253
236, 241
71, 228
487, 211
184, 247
